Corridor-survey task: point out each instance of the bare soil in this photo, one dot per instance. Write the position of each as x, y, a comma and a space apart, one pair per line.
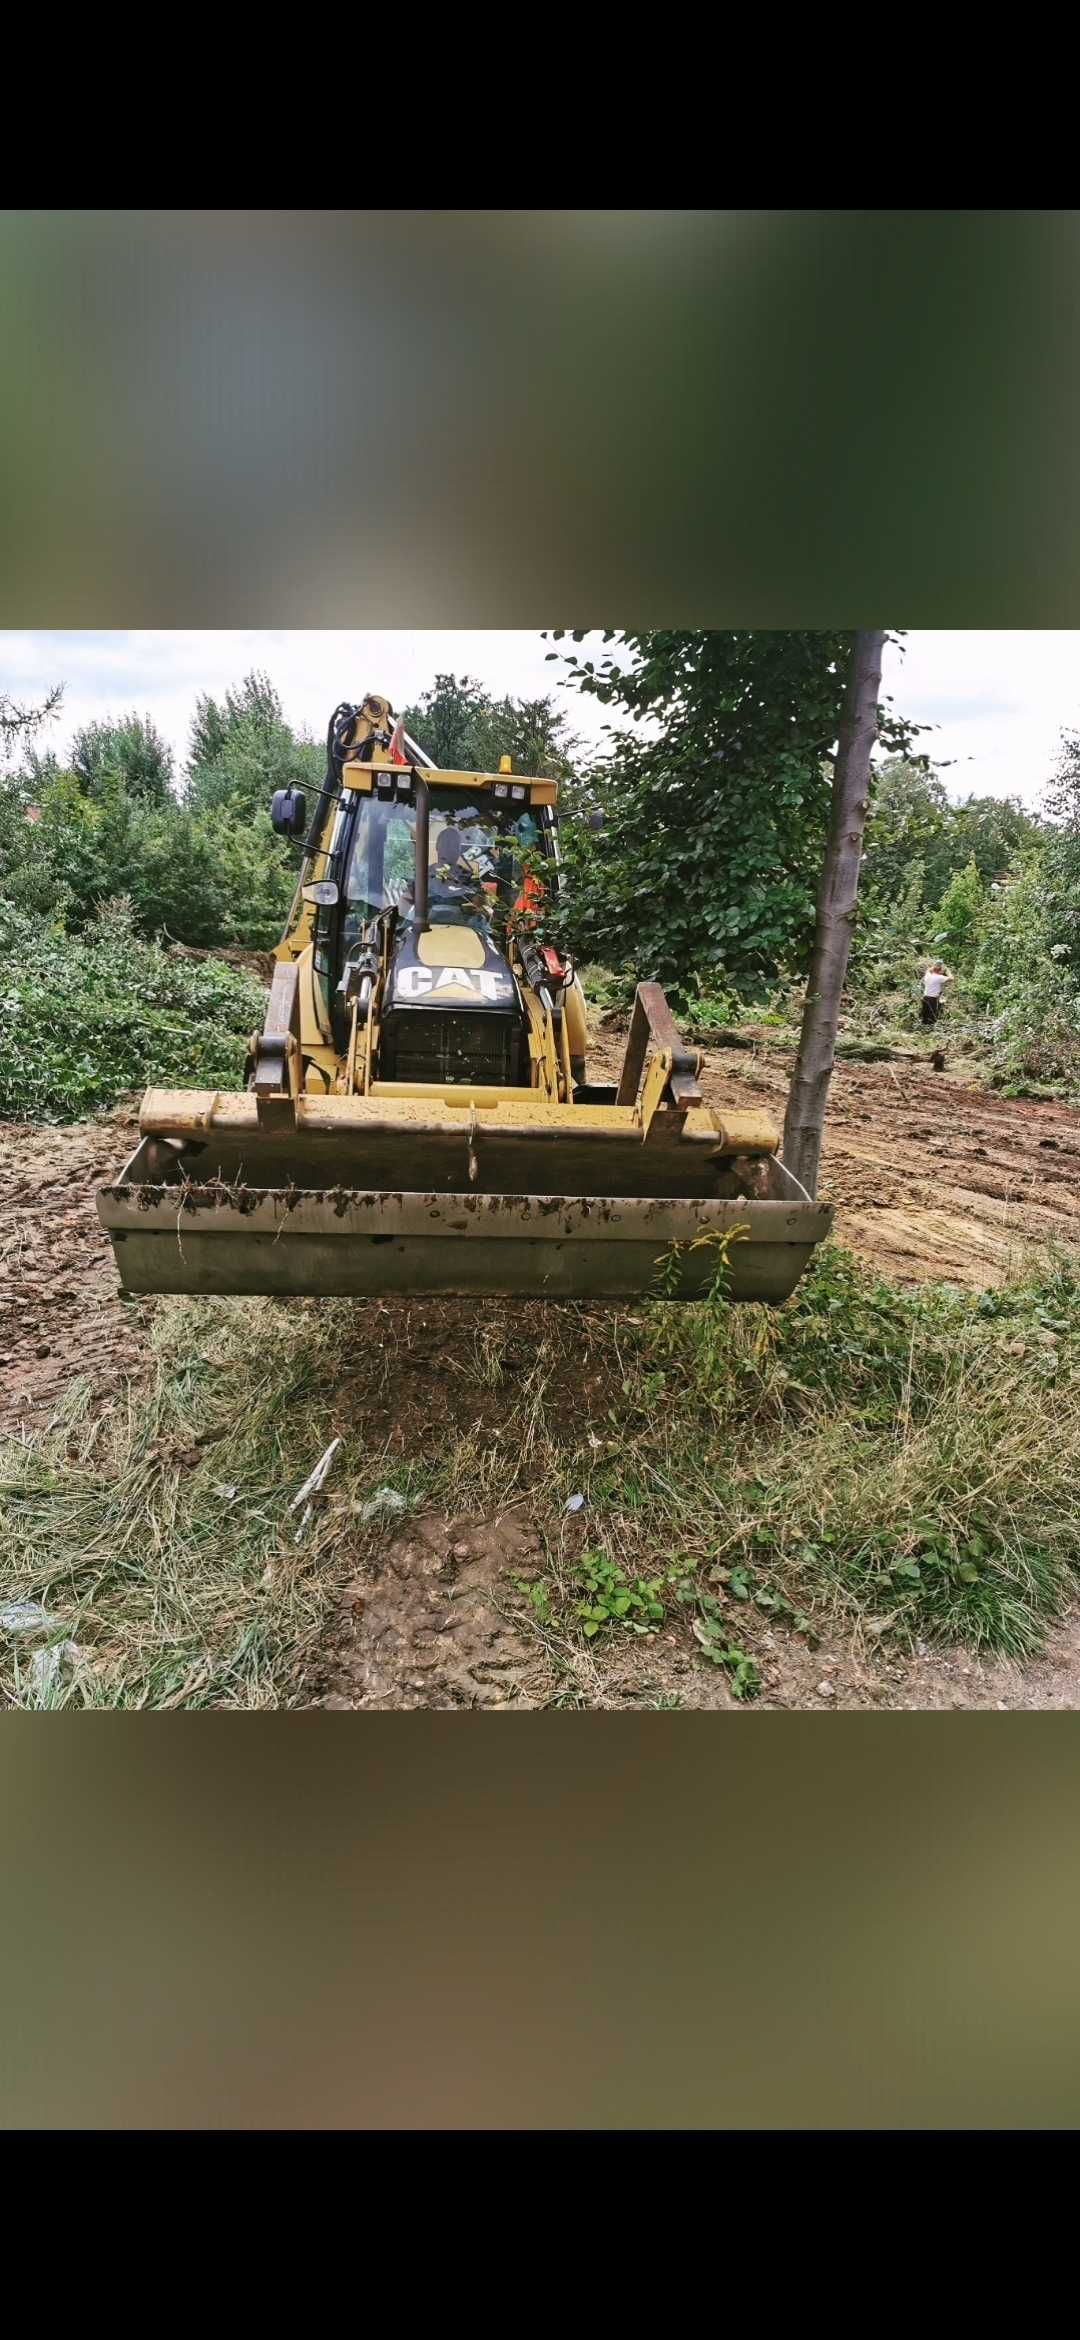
931, 1178
60, 1311
426, 1623
436, 1618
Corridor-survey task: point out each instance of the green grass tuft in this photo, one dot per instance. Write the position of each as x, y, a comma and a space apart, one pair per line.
903, 1462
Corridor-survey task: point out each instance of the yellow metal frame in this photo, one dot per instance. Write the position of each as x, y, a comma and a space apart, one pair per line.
360, 778
553, 1198
658, 1090
235, 1113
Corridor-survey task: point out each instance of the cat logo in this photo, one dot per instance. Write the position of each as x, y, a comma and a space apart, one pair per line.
481, 983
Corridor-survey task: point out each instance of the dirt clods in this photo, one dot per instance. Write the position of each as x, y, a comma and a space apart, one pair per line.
425, 1623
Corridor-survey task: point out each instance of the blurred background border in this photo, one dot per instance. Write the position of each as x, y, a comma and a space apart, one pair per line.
743, 417
534, 417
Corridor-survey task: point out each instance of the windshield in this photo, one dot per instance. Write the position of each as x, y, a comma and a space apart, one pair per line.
476, 858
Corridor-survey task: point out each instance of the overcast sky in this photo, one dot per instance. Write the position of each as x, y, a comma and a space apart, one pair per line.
998, 700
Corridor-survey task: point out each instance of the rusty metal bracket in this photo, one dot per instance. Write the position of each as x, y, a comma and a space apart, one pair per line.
276, 1080
672, 1079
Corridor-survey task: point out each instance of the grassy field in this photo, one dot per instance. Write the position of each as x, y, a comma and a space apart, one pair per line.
902, 1461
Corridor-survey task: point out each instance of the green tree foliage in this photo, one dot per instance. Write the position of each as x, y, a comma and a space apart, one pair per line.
257, 875
461, 727
60, 852
716, 802
891, 938
911, 815
1024, 981
1060, 862
909, 810
202, 882
991, 831
36, 771
1016, 953
958, 915
1027, 971
242, 749
208, 870
128, 756
87, 1017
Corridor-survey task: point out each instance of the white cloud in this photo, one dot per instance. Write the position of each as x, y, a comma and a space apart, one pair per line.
998, 700
162, 674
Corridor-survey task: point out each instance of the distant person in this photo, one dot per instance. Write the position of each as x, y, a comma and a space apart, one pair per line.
933, 986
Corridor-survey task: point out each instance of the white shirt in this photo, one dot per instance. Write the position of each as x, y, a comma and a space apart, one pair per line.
933, 985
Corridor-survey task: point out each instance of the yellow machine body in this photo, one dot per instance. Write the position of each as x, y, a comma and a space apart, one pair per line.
417, 1118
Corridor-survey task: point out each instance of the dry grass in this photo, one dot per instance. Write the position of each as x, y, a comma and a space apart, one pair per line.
904, 1459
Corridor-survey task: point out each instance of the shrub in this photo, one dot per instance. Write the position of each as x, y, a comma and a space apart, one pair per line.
957, 917
87, 1017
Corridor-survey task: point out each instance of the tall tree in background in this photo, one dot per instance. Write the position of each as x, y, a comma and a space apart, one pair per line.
837, 895
908, 818
991, 831
717, 802
462, 727
128, 755
1060, 860
912, 819
242, 748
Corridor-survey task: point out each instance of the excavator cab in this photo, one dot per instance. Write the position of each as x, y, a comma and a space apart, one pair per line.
417, 1116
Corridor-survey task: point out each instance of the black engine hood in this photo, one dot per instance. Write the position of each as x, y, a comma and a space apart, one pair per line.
449, 966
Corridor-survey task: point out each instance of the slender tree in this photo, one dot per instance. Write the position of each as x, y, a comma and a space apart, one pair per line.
837, 895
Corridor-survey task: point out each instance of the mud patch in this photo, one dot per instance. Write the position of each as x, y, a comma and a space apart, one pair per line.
61, 1315
838, 1676
426, 1622
435, 1619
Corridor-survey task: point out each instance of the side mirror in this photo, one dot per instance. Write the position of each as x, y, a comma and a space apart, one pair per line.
596, 819
288, 811
324, 891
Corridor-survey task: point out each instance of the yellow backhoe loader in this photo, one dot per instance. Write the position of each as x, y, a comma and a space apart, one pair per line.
417, 1116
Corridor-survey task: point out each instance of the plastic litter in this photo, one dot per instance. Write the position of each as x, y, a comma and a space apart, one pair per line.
384, 1500
26, 1617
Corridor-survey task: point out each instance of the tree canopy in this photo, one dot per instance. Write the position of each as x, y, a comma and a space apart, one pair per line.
242, 749
128, 755
462, 727
912, 818
716, 800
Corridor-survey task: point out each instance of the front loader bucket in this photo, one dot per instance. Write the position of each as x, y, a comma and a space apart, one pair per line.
385, 1195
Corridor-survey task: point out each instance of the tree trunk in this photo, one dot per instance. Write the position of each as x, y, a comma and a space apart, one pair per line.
837, 896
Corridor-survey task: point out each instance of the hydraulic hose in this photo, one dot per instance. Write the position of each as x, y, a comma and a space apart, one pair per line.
340, 722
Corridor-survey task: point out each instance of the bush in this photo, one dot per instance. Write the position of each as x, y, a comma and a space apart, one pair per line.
958, 914
1023, 979
87, 1017
204, 878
